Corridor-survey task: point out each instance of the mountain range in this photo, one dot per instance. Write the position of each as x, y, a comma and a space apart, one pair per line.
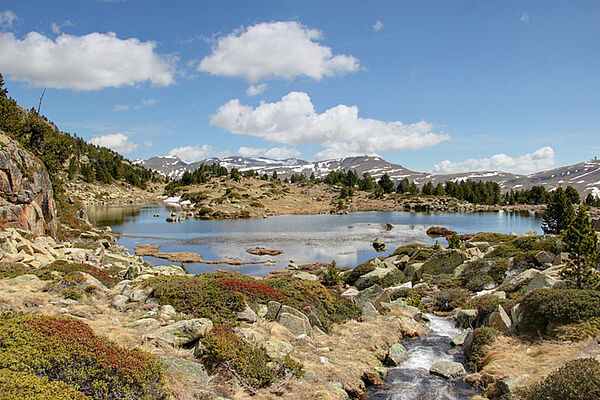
584, 176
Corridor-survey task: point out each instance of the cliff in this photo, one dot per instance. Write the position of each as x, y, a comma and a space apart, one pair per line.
26, 197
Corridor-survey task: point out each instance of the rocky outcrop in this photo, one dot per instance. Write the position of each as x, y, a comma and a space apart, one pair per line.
26, 197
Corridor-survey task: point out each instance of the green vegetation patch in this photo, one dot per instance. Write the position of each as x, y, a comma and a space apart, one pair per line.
22, 385
221, 295
554, 307
576, 380
579, 331
225, 349
67, 350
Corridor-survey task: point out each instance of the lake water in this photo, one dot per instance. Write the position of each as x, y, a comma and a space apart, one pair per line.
347, 239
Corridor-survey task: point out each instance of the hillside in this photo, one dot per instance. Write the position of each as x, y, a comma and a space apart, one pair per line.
584, 177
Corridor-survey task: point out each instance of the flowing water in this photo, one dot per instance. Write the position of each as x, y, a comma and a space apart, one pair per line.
411, 380
347, 239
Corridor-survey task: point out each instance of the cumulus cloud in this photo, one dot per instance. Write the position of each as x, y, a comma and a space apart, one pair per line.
197, 152
540, 159
254, 90
116, 141
56, 28
7, 18
339, 129
377, 26
275, 50
89, 62
273, 152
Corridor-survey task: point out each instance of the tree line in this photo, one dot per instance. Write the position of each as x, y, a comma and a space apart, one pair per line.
60, 152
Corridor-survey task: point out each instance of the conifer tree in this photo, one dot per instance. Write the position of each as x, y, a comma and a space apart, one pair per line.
572, 195
582, 244
558, 214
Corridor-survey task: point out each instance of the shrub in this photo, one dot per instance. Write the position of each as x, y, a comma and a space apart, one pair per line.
225, 349
67, 350
12, 270
491, 237
71, 269
579, 331
544, 308
71, 294
449, 299
21, 385
332, 275
482, 338
477, 274
254, 290
576, 380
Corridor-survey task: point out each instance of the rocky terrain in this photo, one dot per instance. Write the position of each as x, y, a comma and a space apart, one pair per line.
584, 177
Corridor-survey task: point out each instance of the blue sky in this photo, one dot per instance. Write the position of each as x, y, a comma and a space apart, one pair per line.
440, 86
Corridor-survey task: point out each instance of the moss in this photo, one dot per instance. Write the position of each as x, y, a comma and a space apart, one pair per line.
225, 349
22, 385
482, 339
576, 380
544, 308
67, 350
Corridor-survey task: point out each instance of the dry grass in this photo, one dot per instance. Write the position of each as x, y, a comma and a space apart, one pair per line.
508, 357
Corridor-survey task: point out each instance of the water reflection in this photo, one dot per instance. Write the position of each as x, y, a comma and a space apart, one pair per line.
347, 239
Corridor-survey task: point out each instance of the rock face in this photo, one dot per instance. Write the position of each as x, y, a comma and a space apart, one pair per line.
26, 197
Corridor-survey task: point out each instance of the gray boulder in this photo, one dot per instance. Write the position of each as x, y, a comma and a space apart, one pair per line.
193, 370
500, 320
466, 318
119, 302
541, 280
247, 315
544, 257
183, 332
386, 275
295, 324
444, 262
459, 339
371, 298
448, 369
516, 282
396, 354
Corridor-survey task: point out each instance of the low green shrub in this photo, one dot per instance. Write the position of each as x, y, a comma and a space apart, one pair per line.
27, 386
544, 308
482, 339
579, 331
70, 269
491, 237
12, 270
225, 349
67, 350
451, 298
72, 294
576, 380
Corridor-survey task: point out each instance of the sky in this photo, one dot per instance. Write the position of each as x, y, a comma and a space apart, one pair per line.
436, 86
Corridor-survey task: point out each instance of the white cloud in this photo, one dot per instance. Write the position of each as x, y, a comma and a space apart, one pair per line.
377, 26
339, 129
197, 152
254, 90
273, 152
149, 102
275, 50
90, 62
525, 18
540, 159
122, 107
117, 142
7, 18
56, 28
148, 143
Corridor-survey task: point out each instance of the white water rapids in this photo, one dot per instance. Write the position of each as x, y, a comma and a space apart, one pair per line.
411, 380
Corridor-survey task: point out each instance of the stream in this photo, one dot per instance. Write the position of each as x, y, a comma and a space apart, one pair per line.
411, 380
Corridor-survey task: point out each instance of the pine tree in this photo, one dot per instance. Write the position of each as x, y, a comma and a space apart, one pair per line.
558, 214
572, 195
582, 244
454, 241
386, 183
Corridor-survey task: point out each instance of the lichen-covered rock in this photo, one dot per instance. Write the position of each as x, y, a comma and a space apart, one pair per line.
500, 320
277, 349
295, 324
26, 196
444, 262
193, 370
385, 276
466, 318
396, 354
370, 299
183, 332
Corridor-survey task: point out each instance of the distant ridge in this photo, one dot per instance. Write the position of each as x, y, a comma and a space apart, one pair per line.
584, 176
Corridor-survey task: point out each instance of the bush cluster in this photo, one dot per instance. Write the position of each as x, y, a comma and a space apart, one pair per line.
555, 307
67, 350
576, 380
482, 338
225, 349
221, 295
